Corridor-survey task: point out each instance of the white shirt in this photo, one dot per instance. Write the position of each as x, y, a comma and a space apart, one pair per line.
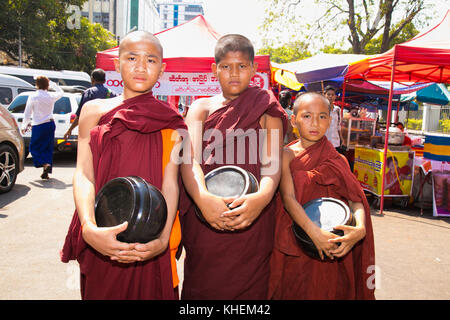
332, 132
40, 105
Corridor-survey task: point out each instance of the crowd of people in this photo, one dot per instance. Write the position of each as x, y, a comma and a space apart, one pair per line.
244, 248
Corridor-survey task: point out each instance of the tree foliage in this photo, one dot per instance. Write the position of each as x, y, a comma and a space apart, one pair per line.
47, 40
369, 26
292, 51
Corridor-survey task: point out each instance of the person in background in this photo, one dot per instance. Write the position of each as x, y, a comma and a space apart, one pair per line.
334, 134
407, 140
285, 99
97, 91
40, 105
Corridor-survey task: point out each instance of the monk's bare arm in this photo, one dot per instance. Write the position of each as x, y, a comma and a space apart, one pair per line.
250, 206
101, 239
296, 211
191, 172
83, 180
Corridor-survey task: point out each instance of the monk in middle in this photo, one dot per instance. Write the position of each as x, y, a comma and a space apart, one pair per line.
227, 257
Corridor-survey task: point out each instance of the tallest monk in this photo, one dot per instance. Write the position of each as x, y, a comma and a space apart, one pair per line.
129, 135
228, 256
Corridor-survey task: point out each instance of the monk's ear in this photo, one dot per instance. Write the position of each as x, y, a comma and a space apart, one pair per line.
116, 64
293, 124
214, 68
163, 68
255, 67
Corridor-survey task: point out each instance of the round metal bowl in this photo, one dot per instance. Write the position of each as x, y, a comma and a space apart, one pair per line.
326, 213
134, 200
229, 181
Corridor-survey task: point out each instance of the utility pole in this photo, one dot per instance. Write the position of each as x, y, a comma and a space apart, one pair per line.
20, 46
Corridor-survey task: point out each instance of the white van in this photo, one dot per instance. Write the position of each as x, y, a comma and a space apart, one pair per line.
10, 87
62, 78
63, 115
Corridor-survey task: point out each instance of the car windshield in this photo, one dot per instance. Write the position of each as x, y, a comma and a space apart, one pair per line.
62, 106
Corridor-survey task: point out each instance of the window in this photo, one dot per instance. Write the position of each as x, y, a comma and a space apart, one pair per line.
62, 106
24, 90
5, 95
193, 8
18, 105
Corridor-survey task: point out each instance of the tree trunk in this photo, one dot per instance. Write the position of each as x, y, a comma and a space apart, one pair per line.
387, 26
354, 37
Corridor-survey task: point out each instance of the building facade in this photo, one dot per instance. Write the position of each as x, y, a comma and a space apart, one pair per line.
122, 16
176, 12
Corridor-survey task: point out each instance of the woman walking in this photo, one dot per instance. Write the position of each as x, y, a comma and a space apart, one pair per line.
40, 106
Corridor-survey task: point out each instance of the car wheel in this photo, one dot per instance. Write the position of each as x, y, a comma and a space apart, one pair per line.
8, 168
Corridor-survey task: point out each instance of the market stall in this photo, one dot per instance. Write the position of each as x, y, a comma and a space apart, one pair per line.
188, 54
425, 58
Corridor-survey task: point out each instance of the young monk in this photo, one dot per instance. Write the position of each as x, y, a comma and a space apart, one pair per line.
311, 169
124, 136
228, 256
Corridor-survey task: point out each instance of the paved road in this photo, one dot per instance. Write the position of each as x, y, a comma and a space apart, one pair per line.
412, 251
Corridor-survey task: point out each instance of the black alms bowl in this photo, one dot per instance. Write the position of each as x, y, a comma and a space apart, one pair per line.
229, 181
326, 213
134, 200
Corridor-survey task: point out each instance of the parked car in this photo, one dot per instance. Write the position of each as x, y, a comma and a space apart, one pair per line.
63, 115
12, 150
11, 86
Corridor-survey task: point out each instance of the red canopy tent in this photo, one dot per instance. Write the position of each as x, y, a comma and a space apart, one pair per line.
425, 58
188, 49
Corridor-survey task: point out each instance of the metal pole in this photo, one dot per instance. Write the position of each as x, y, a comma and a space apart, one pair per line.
386, 138
20, 46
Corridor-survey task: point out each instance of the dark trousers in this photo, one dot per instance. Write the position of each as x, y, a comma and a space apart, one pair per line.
41, 144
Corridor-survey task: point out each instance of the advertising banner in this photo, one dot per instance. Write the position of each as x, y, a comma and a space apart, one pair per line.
398, 171
441, 188
184, 84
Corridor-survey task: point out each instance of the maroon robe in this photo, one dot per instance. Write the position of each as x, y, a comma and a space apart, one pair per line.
319, 171
127, 141
231, 265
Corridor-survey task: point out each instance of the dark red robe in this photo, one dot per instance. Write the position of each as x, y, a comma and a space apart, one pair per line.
319, 171
231, 265
126, 141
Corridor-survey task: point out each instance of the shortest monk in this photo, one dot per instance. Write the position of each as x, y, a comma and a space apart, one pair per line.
311, 169
129, 135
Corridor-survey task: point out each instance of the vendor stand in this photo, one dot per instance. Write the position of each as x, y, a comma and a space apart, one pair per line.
398, 173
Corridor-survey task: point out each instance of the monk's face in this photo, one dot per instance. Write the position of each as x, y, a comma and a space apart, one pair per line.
312, 120
234, 72
140, 65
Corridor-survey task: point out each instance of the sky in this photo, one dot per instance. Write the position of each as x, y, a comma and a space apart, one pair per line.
245, 16
236, 16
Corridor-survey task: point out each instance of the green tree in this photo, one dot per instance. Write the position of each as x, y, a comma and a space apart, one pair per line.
358, 22
46, 38
292, 51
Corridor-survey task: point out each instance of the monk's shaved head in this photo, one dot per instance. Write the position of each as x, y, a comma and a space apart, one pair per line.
138, 36
308, 96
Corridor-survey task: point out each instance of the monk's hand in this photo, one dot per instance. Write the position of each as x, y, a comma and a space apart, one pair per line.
243, 211
212, 208
103, 239
351, 236
145, 251
321, 239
